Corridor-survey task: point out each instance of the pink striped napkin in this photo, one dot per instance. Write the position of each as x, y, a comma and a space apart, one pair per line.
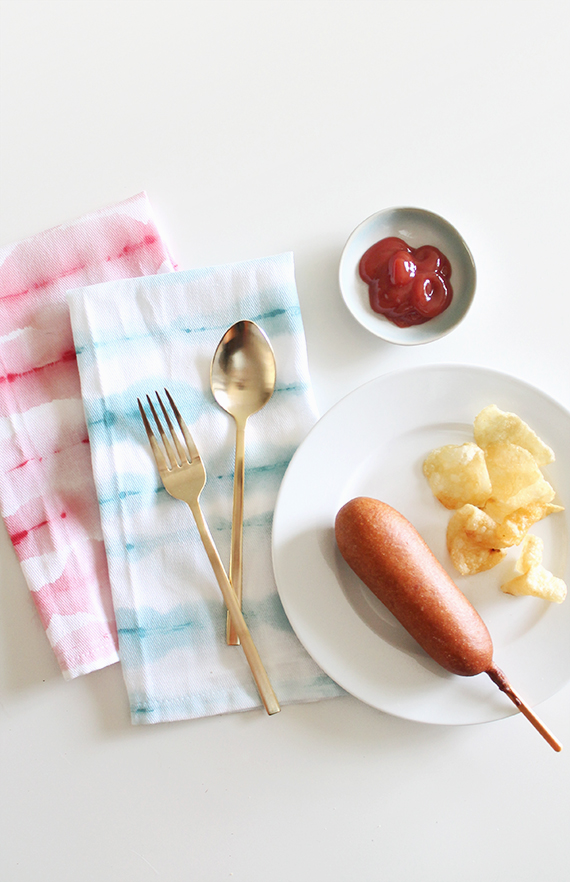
47, 493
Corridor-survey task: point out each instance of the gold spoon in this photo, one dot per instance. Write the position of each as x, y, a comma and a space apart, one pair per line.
242, 378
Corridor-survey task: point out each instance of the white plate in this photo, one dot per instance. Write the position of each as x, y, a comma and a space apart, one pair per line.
417, 227
373, 443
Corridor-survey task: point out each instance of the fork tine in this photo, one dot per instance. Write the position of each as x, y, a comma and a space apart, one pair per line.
165, 440
155, 447
183, 454
192, 449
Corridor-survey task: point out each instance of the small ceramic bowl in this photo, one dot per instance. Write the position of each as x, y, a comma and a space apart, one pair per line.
416, 227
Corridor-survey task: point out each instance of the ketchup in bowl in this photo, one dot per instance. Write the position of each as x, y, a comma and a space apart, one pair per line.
408, 285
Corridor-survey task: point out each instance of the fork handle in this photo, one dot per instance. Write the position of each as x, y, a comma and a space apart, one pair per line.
259, 673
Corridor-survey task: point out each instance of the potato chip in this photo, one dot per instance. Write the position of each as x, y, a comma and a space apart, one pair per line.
470, 536
511, 468
531, 553
513, 529
494, 426
457, 474
537, 582
498, 492
540, 492
516, 480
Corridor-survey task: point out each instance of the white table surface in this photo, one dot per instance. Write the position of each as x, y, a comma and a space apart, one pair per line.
257, 128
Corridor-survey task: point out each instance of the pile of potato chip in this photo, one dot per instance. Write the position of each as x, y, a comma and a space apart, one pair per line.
497, 491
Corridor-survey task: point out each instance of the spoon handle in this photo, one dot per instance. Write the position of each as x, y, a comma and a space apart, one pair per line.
236, 552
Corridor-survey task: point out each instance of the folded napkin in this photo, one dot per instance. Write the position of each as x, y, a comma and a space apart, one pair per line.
47, 495
134, 337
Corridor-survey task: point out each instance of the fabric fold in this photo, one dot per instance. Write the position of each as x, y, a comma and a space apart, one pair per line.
47, 495
137, 336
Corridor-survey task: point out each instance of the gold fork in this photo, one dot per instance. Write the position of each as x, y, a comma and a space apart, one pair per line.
184, 476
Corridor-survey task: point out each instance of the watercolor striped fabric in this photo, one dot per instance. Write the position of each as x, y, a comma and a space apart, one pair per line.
134, 337
47, 495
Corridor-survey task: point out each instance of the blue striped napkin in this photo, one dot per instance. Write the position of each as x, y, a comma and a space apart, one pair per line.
136, 336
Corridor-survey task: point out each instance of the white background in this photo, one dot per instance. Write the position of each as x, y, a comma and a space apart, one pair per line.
256, 128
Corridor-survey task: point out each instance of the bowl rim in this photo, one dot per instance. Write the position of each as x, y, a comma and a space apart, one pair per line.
387, 330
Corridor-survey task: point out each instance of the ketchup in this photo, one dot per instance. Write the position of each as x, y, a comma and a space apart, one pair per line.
408, 285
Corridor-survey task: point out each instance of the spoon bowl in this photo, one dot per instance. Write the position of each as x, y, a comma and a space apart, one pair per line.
242, 379
242, 375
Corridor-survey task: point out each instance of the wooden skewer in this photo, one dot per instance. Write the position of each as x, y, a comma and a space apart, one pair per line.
501, 681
